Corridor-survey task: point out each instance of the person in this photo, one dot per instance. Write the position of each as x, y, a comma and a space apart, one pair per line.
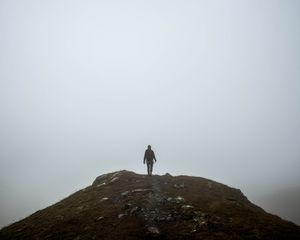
149, 157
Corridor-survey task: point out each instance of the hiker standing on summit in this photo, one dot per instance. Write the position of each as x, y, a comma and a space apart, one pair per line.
148, 157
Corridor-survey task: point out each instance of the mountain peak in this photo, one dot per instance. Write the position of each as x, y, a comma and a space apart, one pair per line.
126, 205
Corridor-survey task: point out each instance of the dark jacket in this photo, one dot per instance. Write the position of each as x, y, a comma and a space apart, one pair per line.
149, 155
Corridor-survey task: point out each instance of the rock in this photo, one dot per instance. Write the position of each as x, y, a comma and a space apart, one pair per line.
125, 193
168, 175
187, 207
141, 190
104, 199
153, 230
179, 199
101, 184
99, 179
121, 215
203, 223
134, 209
115, 175
200, 222
114, 179
20, 229
181, 185
99, 218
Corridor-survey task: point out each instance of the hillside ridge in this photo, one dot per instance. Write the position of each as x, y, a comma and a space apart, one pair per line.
126, 205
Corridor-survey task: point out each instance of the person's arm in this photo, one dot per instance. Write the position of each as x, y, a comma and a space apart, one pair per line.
154, 157
145, 156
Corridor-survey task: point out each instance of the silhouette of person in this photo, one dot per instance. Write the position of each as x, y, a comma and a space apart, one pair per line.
148, 157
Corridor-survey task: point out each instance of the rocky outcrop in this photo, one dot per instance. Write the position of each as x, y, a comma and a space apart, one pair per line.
125, 205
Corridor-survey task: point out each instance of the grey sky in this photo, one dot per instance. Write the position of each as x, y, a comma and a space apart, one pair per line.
85, 86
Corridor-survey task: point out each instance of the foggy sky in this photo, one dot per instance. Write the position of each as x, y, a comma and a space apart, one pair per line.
85, 86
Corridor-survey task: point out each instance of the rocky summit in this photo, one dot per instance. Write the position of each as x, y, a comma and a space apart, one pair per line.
125, 205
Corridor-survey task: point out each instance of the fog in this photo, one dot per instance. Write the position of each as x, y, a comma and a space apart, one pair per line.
85, 86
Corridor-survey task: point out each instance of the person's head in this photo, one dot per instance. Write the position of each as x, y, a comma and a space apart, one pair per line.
149, 146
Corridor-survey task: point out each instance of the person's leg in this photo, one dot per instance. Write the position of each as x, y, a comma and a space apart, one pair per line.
148, 167
151, 167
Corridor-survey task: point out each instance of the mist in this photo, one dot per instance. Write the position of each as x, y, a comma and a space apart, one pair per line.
85, 86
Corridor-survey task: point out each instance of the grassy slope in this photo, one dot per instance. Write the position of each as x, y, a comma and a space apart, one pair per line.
217, 212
